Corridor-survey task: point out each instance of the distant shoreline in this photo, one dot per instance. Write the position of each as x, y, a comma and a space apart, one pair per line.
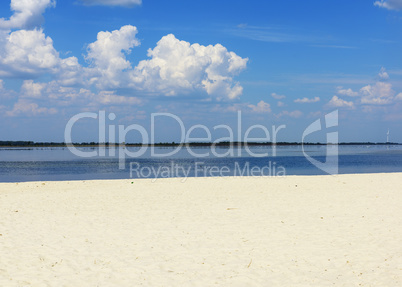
31, 144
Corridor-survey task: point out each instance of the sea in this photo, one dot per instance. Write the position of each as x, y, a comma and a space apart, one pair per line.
90, 163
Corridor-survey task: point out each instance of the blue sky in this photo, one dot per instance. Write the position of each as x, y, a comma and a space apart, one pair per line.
278, 62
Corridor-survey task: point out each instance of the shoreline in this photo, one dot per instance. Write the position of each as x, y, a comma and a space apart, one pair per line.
341, 230
32, 145
184, 179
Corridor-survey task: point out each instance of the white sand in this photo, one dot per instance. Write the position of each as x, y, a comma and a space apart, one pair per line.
295, 231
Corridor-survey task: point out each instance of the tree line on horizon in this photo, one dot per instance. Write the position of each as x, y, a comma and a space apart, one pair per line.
174, 144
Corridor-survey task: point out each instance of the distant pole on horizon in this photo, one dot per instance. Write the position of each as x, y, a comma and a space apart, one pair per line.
388, 136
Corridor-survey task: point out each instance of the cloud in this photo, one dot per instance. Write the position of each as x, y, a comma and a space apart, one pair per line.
383, 75
70, 72
336, 102
399, 97
292, 114
30, 54
66, 96
180, 67
334, 78
27, 14
307, 100
2, 89
28, 108
110, 98
48, 98
4, 93
60, 95
334, 46
124, 3
277, 97
347, 92
280, 104
274, 34
379, 94
27, 53
389, 4
107, 56
174, 67
29, 89
261, 107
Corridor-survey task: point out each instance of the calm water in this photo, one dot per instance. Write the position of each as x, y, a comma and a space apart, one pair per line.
39, 164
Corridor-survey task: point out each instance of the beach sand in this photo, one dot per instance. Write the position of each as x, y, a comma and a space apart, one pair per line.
343, 230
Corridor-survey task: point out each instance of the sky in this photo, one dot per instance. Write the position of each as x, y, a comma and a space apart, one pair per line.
276, 63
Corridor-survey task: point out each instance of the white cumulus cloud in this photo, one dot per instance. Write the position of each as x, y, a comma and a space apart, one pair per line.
29, 108
110, 98
30, 89
37, 98
30, 53
60, 95
277, 97
107, 56
379, 94
383, 75
293, 114
174, 67
27, 52
307, 100
280, 104
4, 93
336, 102
27, 14
347, 92
389, 4
70, 72
124, 3
261, 107
178, 66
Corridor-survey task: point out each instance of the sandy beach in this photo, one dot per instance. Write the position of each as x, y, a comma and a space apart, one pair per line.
343, 230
